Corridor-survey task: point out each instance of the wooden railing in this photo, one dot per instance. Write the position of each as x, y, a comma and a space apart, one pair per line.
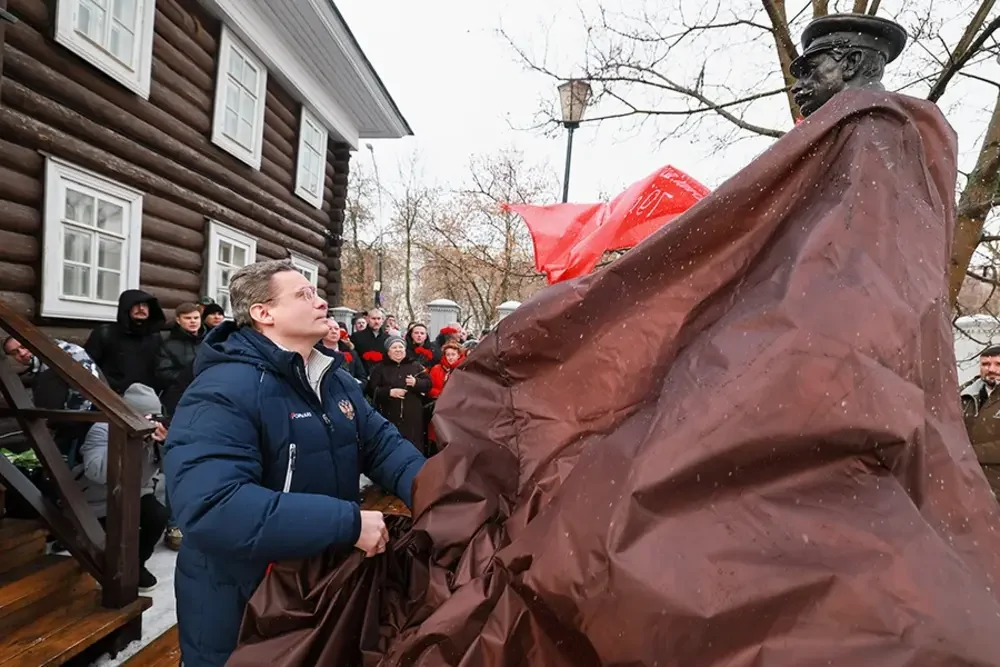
111, 558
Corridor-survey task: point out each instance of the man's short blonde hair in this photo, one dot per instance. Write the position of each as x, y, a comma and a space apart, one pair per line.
252, 284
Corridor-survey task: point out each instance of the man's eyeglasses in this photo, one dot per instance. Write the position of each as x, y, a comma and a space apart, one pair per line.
308, 294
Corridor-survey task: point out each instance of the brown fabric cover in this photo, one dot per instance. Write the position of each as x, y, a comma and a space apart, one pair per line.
740, 444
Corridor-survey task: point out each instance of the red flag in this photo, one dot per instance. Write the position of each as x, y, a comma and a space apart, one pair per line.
570, 239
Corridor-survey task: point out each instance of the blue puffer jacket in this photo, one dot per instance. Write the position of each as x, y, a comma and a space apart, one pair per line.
259, 470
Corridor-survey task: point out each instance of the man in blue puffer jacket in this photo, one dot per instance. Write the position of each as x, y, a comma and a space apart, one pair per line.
264, 455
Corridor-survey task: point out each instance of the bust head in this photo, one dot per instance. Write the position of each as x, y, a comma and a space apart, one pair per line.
841, 52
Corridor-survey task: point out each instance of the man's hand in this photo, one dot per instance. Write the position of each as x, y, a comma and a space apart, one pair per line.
410, 381
374, 534
397, 393
160, 434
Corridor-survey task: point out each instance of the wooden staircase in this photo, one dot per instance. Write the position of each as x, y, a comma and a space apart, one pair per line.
165, 651
50, 608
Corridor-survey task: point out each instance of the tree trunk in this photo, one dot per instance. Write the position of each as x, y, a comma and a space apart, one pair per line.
785, 46
408, 268
975, 204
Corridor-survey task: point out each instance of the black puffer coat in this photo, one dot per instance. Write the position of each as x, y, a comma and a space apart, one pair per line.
406, 413
176, 355
125, 350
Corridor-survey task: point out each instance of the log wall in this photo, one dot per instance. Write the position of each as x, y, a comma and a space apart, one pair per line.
55, 103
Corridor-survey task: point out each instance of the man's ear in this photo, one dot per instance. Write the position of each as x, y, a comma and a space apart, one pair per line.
850, 66
261, 314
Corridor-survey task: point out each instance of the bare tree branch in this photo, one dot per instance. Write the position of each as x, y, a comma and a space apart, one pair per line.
966, 48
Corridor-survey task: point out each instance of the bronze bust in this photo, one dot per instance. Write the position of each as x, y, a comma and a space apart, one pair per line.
841, 52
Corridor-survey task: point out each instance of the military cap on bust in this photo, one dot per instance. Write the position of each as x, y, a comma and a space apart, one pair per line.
843, 31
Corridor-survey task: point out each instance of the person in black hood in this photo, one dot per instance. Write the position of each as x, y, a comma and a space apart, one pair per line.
126, 350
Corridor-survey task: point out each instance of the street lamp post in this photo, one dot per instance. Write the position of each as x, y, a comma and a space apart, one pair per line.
574, 95
378, 279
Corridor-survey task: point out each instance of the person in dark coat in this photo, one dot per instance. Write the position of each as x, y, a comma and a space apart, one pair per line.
370, 341
212, 315
174, 372
50, 391
336, 339
125, 350
419, 348
178, 349
397, 386
264, 455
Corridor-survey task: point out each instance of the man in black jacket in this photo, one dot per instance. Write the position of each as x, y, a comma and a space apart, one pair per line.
126, 349
370, 341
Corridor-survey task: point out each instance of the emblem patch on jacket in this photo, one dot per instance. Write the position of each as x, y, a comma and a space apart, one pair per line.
347, 408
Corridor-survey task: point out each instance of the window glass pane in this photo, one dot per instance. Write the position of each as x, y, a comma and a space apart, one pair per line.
79, 207
233, 97
232, 124
249, 76
76, 280
121, 43
76, 246
235, 65
91, 20
225, 274
108, 285
124, 11
247, 105
109, 254
239, 256
110, 217
313, 137
222, 298
225, 253
245, 134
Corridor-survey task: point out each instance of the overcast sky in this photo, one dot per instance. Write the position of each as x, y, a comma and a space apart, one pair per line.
462, 89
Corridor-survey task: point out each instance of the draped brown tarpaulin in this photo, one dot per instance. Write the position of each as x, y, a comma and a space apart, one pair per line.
740, 444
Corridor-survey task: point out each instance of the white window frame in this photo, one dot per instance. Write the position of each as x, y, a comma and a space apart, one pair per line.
59, 174
228, 43
301, 187
138, 79
307, 265
219, 232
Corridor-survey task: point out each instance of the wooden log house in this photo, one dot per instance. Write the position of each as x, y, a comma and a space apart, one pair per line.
158, 144
164, 146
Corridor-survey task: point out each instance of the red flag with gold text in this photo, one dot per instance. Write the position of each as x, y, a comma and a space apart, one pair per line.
570, 239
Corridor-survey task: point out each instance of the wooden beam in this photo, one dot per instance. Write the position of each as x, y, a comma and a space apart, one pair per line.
53, 518
76, 507
86, 416
121, 580
4, 20
27, 128
102, 396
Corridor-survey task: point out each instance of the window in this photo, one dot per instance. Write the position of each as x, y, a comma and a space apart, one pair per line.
228, 252
307, 268
309, 180
240, 91
115, 36
91, 243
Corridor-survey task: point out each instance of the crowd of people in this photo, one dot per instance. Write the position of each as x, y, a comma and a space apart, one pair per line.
402, 372
151, 363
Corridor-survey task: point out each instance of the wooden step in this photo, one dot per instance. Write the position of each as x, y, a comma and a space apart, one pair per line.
40, 583
21, 542
165, 651
64, 632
